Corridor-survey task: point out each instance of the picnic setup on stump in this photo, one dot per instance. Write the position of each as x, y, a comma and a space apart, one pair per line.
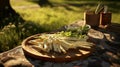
92, 42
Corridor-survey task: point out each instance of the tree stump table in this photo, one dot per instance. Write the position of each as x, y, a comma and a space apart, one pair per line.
106, 54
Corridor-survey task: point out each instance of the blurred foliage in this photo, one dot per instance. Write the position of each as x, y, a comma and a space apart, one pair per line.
11, 35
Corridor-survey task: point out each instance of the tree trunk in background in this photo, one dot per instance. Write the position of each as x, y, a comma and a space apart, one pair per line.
6, 9
8, 15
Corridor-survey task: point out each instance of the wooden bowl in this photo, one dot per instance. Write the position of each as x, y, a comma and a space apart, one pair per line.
71, 55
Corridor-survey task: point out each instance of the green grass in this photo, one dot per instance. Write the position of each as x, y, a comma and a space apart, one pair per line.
63, 6
9, 38
115, 18
11, 35
55, 18
46, 19
21, 3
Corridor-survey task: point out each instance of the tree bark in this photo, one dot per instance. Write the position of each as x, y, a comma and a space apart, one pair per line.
8, 14
6, 9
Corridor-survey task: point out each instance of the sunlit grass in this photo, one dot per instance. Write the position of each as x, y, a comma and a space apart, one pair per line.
116, 18
50, 19
82, 7
21, 3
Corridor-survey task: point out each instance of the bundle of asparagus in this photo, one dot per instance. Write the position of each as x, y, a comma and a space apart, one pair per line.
52, 42
101, 8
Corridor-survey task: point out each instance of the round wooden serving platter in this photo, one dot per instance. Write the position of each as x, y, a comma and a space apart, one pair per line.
71, 55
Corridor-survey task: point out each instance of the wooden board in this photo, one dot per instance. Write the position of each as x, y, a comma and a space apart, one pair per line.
71, 55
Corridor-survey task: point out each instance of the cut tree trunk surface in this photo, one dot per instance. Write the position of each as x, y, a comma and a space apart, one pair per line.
106, 54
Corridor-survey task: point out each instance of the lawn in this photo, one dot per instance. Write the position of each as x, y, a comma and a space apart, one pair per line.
45, 19
75, 8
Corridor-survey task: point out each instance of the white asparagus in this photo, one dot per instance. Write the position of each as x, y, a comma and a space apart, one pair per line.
61, 44
54, 46
65, 44
58, 46
62, 49
39, 48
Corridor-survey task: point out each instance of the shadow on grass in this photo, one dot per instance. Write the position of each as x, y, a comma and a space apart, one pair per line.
14, 19
42, 3
31, 28
114, 6
82, 4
